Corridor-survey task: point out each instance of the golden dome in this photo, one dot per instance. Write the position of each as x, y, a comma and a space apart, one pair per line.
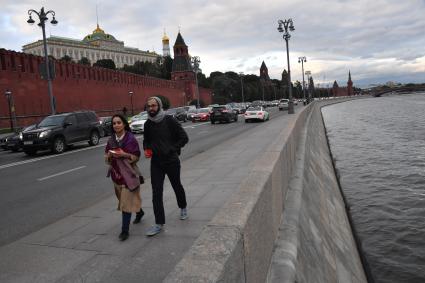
165, 37
98, 30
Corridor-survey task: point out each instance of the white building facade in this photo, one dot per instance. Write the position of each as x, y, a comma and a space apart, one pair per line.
96, 46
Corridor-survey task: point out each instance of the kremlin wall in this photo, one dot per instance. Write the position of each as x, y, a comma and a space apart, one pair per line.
81, 87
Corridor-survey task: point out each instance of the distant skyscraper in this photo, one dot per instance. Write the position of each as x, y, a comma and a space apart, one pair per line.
165, 45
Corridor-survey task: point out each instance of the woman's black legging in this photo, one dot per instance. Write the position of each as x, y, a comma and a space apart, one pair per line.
126, 217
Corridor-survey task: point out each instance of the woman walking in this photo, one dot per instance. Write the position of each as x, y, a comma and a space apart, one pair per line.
122, 154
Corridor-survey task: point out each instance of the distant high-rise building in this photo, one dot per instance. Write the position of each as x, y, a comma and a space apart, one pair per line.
165, 45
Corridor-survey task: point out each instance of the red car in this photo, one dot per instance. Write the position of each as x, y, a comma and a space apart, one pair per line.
202, 115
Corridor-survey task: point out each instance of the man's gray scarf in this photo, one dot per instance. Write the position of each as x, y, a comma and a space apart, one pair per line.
161, 114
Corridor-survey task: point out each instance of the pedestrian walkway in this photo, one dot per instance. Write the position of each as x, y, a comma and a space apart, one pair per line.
84, 247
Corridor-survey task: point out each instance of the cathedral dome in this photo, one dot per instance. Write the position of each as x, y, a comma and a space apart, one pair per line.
99, 34
165, 38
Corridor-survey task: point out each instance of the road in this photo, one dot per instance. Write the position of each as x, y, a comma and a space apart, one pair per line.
37, 191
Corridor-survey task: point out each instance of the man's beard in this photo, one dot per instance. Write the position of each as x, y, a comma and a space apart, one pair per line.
153, 113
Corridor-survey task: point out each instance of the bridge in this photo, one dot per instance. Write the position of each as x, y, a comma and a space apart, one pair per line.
379, 91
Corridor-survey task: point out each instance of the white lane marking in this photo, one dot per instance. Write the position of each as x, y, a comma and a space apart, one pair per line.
54, 156
48, 157
196, 125
77, 150
61, 173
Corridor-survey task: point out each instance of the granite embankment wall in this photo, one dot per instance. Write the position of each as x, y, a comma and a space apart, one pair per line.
288, 221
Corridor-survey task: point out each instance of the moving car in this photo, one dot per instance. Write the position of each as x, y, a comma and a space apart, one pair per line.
130, 119
283, 104
56, 132
191, 113
203, 114
138, 125
222, 113
178, 113
106, 123
256, 113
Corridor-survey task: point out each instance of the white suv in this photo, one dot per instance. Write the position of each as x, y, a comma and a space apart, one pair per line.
283, 104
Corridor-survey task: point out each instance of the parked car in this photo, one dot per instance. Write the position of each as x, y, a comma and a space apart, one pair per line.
138, 125
14, 141
283, 104
56, 132
106, 123
178, 113
256, 113
295, 101
203, 114
222, 113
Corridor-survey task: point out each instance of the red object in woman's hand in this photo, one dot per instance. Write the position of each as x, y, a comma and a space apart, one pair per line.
148, 153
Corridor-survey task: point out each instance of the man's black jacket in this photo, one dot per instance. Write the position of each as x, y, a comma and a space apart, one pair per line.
165, 138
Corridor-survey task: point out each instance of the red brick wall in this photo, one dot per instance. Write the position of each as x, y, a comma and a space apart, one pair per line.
79, 87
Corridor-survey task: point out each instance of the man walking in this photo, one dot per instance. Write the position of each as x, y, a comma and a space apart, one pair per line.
163, 139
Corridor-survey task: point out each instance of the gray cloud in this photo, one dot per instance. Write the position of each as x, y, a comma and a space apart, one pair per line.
373, 39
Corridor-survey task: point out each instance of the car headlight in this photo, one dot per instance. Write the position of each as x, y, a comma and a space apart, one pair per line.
21, 136
44, 133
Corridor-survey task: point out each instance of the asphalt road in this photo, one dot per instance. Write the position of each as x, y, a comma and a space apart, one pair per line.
37, 191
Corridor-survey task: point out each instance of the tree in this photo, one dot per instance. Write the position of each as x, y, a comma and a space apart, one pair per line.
195, 102
66, 58
220, 100
165, 102
84, 61
165, 67
105, 63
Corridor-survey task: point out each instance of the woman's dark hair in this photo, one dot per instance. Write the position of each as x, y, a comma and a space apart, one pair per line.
123, 119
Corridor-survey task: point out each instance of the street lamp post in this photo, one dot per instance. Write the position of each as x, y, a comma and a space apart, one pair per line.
131, 101
42, 16
195, 63
243, 98
12, 114
302, 60
308, 73
262, 89
287, 24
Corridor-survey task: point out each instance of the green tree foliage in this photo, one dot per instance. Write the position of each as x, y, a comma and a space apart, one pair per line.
165, 101
66, 58
220, 100
84, 61
195, 102
203, 81
105, 63
161, 68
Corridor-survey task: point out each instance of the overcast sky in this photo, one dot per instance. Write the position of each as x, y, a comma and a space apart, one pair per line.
378, 40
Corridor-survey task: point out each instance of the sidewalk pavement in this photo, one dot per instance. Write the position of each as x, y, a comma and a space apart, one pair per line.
84, 247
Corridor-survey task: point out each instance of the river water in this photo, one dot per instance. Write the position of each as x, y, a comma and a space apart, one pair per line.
379, 151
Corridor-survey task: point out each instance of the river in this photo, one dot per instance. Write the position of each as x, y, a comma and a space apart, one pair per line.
379, 151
